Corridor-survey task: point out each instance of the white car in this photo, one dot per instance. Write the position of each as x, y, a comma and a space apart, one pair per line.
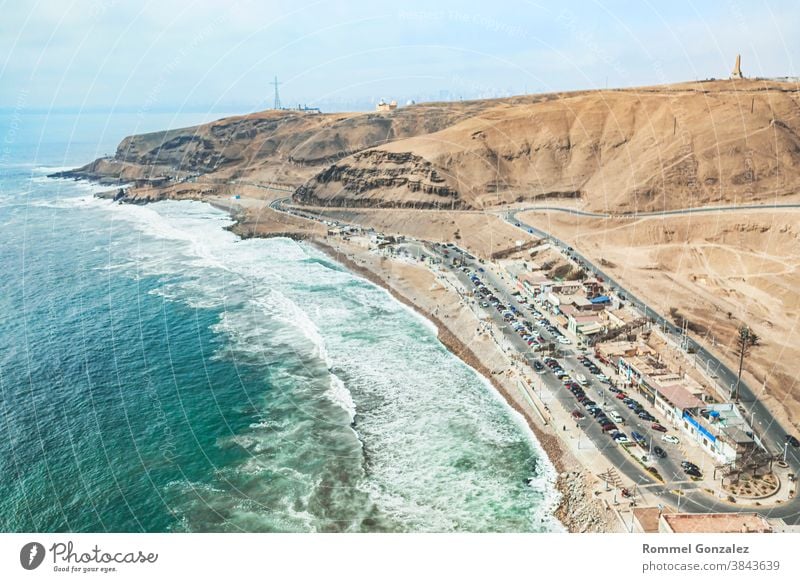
563, 340
670, 439
615, 416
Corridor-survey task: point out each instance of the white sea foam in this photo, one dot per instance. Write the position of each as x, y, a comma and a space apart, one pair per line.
340, 395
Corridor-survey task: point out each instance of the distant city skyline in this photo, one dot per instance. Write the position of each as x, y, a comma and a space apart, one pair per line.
198, 56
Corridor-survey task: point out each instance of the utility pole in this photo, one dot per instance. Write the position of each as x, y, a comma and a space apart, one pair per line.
277, 104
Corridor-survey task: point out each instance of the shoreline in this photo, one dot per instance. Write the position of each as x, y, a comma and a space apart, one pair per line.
571, 482
575, 509
548, 443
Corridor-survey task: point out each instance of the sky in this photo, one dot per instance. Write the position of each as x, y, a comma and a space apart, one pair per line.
169, 55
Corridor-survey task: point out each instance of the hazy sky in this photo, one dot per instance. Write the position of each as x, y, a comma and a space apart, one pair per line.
167, 55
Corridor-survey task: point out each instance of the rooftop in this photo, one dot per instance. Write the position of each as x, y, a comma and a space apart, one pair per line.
535, 278
737, 435
612, 349
647, 517
678, 396
715, 523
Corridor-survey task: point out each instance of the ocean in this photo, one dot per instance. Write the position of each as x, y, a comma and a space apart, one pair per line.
159, 374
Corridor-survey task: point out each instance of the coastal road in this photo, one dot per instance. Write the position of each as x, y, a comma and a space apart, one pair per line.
659, 213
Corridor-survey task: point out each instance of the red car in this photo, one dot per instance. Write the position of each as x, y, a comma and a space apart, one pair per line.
577, 415
658, 427
621, 396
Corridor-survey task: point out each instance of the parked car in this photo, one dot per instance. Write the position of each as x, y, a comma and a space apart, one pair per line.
578, 415
637, 437
792, 440
658, 427
659, 452
693, 472
670, 439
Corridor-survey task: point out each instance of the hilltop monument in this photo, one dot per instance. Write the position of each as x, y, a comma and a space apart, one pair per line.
737, 68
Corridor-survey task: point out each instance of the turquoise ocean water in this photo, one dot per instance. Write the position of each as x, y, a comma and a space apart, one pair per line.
158, 374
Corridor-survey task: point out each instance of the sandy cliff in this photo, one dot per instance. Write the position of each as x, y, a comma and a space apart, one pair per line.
622, 150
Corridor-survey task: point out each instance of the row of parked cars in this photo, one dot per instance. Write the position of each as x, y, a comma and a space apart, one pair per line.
616, 418
592, 409
511, 314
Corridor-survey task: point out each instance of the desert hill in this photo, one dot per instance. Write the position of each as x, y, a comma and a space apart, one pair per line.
639, 149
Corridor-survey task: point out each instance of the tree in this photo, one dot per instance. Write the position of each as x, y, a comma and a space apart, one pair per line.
745, 342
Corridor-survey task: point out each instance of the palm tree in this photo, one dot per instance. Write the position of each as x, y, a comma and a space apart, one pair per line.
744, 343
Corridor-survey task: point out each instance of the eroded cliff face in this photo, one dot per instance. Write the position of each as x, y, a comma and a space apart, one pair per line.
642, 149
365, 179
269, 146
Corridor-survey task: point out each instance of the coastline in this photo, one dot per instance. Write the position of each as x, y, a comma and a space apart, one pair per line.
548, 443
576, 508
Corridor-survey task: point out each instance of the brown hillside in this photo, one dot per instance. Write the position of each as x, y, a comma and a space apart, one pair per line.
648, 149
622, 150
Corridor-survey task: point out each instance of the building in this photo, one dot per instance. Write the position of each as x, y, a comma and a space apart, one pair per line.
592, 286
383, 106
721, 430
534, 283
565, 287
713, 523
582, 323
673, 400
